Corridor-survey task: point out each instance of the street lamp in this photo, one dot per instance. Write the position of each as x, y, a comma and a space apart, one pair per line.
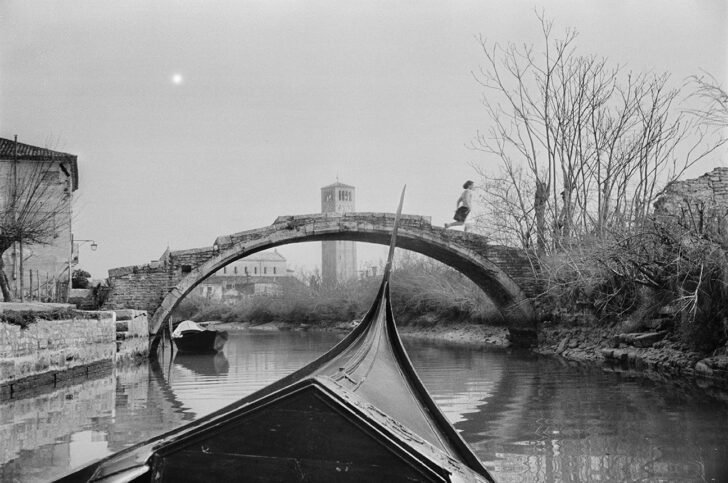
73, 260
94, 245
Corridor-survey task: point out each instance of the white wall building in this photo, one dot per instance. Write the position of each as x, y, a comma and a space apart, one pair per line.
257, 274
45, 269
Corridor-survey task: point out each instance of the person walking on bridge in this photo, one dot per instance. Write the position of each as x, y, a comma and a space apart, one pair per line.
462, 206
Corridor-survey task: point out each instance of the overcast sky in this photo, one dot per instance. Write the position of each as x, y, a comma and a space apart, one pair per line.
193, 119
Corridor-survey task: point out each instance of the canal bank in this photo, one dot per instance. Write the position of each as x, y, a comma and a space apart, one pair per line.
653, 354
43, 346
648, 352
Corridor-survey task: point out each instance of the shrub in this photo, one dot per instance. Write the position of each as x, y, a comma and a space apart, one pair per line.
420, 287
80, 279
24, 318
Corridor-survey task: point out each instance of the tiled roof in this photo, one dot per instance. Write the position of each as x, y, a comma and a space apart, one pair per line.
26, 152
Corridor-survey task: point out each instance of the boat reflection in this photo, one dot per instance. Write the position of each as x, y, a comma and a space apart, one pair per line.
204, 364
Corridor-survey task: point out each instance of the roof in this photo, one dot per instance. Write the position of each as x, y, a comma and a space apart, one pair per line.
27, 152
338, 185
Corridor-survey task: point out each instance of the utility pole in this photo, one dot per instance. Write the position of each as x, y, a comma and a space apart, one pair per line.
14, 200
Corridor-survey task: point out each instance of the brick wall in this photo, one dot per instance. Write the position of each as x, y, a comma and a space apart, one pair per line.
143, 287
139, 287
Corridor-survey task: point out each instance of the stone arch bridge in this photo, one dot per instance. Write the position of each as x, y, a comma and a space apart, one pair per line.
504, 273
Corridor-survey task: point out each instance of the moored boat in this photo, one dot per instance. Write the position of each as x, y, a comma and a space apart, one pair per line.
357, 413
191, 337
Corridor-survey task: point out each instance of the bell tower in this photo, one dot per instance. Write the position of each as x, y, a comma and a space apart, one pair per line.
338, 257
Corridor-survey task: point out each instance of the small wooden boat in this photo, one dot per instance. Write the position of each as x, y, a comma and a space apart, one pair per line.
359, 413
191, 337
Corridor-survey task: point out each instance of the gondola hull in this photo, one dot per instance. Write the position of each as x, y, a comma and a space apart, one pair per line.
201, 342
313, 431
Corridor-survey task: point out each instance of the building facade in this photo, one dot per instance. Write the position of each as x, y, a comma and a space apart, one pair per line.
338, 257
258, 274
52, 177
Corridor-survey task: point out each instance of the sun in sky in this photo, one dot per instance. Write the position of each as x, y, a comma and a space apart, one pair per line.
177, 79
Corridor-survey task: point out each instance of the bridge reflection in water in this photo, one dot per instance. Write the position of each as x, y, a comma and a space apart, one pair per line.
529, 418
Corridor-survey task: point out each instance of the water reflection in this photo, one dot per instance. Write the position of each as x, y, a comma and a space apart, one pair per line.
537, 419
214, 365
529, 418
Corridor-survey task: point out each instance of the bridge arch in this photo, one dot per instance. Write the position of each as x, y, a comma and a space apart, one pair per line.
501, 272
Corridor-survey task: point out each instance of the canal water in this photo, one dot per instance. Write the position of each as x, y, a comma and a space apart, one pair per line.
529, 418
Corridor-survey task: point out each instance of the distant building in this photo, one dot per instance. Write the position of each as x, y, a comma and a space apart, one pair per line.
259, 274
338, 257
46, 268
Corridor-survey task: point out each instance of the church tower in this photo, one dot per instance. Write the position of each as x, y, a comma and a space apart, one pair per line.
338, 257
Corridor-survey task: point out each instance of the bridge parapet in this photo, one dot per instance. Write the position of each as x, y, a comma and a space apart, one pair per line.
322, 222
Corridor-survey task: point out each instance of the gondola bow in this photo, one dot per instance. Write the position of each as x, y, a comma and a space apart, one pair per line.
357, 413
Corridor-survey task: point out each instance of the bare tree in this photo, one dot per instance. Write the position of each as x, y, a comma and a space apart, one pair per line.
596, 146
584, 150
714, 111
33, 207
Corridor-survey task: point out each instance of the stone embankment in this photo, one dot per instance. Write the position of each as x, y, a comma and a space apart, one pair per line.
44, 346
651, 353
648, 352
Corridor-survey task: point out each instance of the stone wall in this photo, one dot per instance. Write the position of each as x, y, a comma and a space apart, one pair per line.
700, 203
132, 335
48, 347
48, 352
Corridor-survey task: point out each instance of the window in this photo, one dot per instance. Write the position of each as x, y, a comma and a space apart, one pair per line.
265, 270
255, 270
235, 270
224, 270
274, 270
